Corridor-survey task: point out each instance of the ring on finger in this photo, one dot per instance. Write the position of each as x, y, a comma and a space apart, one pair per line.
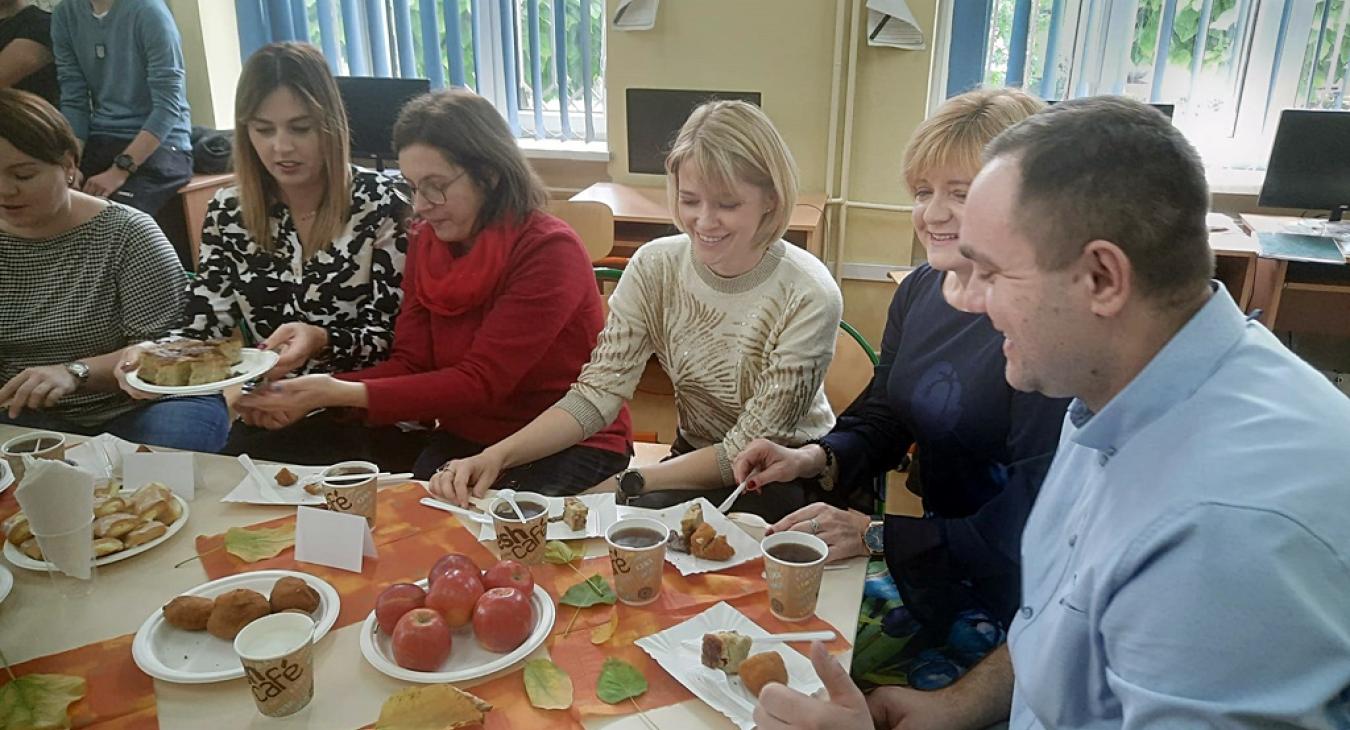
443, 467
815, 526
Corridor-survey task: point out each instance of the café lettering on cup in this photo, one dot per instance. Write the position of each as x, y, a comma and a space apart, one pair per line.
271, 682
523, 541
353, 495
277, 653
794, 563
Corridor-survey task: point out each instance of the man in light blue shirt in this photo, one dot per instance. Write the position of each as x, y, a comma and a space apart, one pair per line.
1187, 563
123, 89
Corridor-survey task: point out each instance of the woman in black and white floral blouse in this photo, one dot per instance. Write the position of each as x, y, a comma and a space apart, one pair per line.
305, 253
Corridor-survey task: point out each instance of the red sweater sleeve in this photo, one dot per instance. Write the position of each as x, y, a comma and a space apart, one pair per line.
411, 352
547, 277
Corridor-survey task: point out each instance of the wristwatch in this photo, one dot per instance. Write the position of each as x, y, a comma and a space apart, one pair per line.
79, 370
873, 536
631, 483
125, 163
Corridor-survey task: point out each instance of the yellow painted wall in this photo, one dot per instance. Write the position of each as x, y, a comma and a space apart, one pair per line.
211, 58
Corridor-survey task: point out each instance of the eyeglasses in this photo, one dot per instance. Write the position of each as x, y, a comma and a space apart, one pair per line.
433, 193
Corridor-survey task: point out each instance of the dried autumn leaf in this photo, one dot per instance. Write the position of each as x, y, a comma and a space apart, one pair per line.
619, 681
558, 552
548, 685
604, 632
251, 544
39, 701
589, 592
431, 707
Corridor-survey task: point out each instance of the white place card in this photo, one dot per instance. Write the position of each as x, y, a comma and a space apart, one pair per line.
335, 539
174, 469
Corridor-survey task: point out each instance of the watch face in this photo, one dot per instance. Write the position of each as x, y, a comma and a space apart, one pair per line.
630, 483
874, 537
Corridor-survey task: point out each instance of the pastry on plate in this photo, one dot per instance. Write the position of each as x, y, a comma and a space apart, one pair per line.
762, 669
189, 612
725, 650
706, 543
116, 524
285, 478
107, 546
189, 362
144, 533
575, 513
291, 592
233, 610
16, 528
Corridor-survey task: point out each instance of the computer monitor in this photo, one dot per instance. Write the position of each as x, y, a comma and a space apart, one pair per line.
1309, 163
655, 117
373, 105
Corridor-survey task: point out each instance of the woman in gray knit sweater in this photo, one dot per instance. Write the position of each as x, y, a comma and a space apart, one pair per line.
742, 321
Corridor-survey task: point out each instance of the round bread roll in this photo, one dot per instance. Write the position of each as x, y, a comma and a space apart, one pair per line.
109, 506
189, 613
760, 669
115, 525
234, 610
106, 546
291, 592
16, 528
170, 512
143, 534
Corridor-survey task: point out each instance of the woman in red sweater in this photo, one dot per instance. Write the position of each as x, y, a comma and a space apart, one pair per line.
500, 308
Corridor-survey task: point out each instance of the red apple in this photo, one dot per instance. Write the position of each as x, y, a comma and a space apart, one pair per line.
454, 596
502, 619
509, 574
421, 640
395, 601
449, 563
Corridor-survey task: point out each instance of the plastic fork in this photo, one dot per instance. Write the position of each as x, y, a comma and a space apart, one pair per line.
714, 682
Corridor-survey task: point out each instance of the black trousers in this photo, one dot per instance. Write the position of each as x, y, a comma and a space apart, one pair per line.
326, 438
773, 502
154, 183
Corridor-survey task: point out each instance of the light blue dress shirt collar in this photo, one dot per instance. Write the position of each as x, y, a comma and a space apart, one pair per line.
1179, 369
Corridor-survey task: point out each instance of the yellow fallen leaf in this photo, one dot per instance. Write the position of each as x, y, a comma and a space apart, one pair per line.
251, 544
604, 632
431, 707
39, 701
547, 685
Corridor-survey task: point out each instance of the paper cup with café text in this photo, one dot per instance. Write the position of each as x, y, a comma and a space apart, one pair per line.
637, 563
37, 444
794, 584
277, 652
517, 540
352, 495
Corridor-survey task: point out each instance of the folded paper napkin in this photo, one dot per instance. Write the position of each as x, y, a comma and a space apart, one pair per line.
59, 500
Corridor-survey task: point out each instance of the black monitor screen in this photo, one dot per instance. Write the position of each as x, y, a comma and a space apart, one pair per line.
655, 117
1310, 162
373, 105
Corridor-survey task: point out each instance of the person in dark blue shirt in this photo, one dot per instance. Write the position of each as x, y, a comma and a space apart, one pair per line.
982, 447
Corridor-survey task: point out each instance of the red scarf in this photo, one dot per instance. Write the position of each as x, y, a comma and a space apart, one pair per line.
451, 285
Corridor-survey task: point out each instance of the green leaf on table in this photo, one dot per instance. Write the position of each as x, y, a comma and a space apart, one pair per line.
39, 701
548, 685
589, 592
251, 544
619, 681
558, 552
605, 631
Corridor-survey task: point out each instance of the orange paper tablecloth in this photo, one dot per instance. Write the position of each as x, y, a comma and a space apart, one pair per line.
118, 696
410, 538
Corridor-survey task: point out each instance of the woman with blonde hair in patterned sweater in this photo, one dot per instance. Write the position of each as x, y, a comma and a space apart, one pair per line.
742, 321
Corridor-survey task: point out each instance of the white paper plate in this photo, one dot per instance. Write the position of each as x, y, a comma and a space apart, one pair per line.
682, 661
6, 582
600, 515
252, 364
467, 659
196, 657
746, 548
249, 492
6, 476
19, 560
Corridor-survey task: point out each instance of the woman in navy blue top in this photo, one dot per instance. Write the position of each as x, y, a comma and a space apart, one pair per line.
982, 447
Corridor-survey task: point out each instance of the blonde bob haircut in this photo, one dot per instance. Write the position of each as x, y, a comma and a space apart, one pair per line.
955, 136
730, 141
301, 68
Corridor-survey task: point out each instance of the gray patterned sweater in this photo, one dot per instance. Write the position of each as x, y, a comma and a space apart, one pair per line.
747, 355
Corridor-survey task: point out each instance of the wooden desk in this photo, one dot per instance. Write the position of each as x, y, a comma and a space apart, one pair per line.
1297, 296
1235, 263
640, 214
195, 196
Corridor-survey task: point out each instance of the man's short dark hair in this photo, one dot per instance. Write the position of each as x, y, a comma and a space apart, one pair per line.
1114, 169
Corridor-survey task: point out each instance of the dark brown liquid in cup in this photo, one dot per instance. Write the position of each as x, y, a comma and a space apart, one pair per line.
505, 512
28, 447
636, 537
793, 553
